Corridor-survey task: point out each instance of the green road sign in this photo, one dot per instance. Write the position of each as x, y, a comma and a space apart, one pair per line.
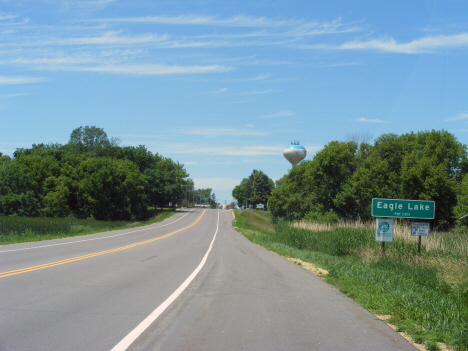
396, 208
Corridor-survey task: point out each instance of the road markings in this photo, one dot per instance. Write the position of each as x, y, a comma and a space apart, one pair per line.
125, 343
79, 258
106, 237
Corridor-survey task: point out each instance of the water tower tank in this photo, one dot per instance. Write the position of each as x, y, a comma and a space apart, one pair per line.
294, 153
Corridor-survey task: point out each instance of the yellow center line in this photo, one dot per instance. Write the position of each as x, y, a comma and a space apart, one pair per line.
79, 258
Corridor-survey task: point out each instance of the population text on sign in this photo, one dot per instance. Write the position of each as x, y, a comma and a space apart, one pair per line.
420, 228
397, 208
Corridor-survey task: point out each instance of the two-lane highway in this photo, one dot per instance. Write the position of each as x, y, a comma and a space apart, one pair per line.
87, 293
189, 283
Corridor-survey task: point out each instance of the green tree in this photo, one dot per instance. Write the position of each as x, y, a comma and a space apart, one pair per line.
89, 139
422, 166
165, 182
461, 208
241, 192
312, 186
111, 189
15, 183
260, 188
253, 190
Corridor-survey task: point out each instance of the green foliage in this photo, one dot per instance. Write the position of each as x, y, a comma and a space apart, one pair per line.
344, 178
318, 217
461, 209
90, 177
254, 190
313, 185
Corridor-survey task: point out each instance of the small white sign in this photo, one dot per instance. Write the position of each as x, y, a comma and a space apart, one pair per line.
384, 229
420, 228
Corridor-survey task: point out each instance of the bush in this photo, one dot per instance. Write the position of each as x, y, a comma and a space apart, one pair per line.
328, 217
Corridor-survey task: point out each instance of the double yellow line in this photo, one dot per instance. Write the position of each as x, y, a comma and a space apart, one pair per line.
79, 258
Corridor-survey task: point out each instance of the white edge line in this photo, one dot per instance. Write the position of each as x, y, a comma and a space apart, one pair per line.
135, 333
106, 237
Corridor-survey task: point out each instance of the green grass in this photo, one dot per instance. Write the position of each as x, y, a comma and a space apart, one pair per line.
25, 229
426, 297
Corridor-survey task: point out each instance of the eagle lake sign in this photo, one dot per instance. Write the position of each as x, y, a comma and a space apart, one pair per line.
397, 208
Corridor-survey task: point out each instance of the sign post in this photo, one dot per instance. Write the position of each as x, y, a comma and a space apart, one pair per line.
398, 208
420, 229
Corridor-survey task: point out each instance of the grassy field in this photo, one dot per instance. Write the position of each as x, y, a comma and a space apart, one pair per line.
26, 229
426, 296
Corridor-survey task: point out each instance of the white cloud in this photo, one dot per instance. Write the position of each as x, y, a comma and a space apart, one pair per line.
216, 183
260, 77
460, 117
219, 91
111, 37
21, 80
82, 4
212, 132
370, 120
149, 69
216, 150
307, 27
223, 150
279, 114
8, 20
261, 92
421, 45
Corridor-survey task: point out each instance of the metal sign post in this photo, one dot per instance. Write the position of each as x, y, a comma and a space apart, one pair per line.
420, 229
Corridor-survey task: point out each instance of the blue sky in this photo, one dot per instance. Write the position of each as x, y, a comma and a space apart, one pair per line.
224, 86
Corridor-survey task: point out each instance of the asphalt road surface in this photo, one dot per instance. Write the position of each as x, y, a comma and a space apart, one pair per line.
189, 283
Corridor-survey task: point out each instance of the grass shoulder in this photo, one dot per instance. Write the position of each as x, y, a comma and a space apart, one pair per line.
425, 297
27, 229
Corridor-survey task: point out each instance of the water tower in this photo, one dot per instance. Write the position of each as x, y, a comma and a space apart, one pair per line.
294, 153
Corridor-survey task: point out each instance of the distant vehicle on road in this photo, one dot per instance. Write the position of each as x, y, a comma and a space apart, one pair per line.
203, 205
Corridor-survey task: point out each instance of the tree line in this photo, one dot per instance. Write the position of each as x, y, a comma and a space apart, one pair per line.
253, 190
89, 177
341, 180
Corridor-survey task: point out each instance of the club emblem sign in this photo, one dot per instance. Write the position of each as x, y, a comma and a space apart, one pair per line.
384, 230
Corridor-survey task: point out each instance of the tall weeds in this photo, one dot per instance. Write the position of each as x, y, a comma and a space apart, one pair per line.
19, 229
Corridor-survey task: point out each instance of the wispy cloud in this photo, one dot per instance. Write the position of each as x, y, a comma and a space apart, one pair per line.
427, 44
225, 150
460, 117
279, 114
213, 132
148, 69
370, 120
214, 92
9, 20
21, 80
260, 92
216, 183
307, 27
81, 4
258, 78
